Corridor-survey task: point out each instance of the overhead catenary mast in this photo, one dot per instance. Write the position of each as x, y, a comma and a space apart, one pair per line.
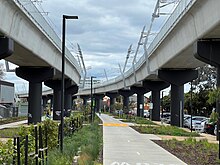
106, 75
140, 42
84, 67
127, 57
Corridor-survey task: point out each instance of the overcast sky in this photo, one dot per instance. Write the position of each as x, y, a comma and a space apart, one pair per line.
104, 30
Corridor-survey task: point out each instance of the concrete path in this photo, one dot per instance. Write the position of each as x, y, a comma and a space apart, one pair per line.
125, 146
14, 124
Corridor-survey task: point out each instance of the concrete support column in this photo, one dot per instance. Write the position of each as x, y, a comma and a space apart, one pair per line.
85, 98
56, 104
140, 91
97, 104
208, 51
140, 105
126, 94
218, 102
34, 102
177, 100
177, 79
155, 87
126, 103
35, 76
56, 86
156, 105
68, 101
84, 101
98, 100
112, 96
70, 89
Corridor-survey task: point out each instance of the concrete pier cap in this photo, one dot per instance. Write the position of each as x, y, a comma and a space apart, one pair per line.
35, 76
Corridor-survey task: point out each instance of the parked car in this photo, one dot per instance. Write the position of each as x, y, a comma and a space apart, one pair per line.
186, 117
210, 127
165, 117
215, 130
146, 113
203, 124
196, 122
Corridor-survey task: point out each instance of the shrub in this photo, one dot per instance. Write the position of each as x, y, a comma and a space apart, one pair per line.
86, 142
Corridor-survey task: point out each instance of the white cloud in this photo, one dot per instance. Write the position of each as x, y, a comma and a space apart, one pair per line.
104, 30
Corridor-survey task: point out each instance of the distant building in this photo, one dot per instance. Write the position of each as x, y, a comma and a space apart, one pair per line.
7, 92
7, 100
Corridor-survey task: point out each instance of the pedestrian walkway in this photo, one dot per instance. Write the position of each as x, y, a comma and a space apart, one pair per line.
125, 146
14, 124
19, 123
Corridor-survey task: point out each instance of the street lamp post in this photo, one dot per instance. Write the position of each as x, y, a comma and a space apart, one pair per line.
191, 109
62, 77
162, 105
92, 114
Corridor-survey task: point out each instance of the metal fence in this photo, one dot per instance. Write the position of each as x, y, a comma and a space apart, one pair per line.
22, 153
38, 156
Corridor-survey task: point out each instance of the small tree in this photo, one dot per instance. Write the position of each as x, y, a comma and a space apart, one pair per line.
214, 98
118, 106
213, 117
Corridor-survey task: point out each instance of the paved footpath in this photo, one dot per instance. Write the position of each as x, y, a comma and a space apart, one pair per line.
125, 146
14, 124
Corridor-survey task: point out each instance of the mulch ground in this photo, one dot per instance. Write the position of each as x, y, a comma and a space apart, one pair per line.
100, 158
196, 155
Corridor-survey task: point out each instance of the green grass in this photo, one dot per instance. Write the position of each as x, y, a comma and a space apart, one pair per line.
9, 132
88, 140
164, 130
139, 120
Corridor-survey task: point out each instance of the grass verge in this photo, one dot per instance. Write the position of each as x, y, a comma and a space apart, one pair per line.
139, 120
9, 132
12, 119
86, 143
164, 130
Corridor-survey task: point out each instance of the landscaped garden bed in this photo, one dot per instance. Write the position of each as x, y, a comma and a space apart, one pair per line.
84, 143
139, 120
164, 130
192, 152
